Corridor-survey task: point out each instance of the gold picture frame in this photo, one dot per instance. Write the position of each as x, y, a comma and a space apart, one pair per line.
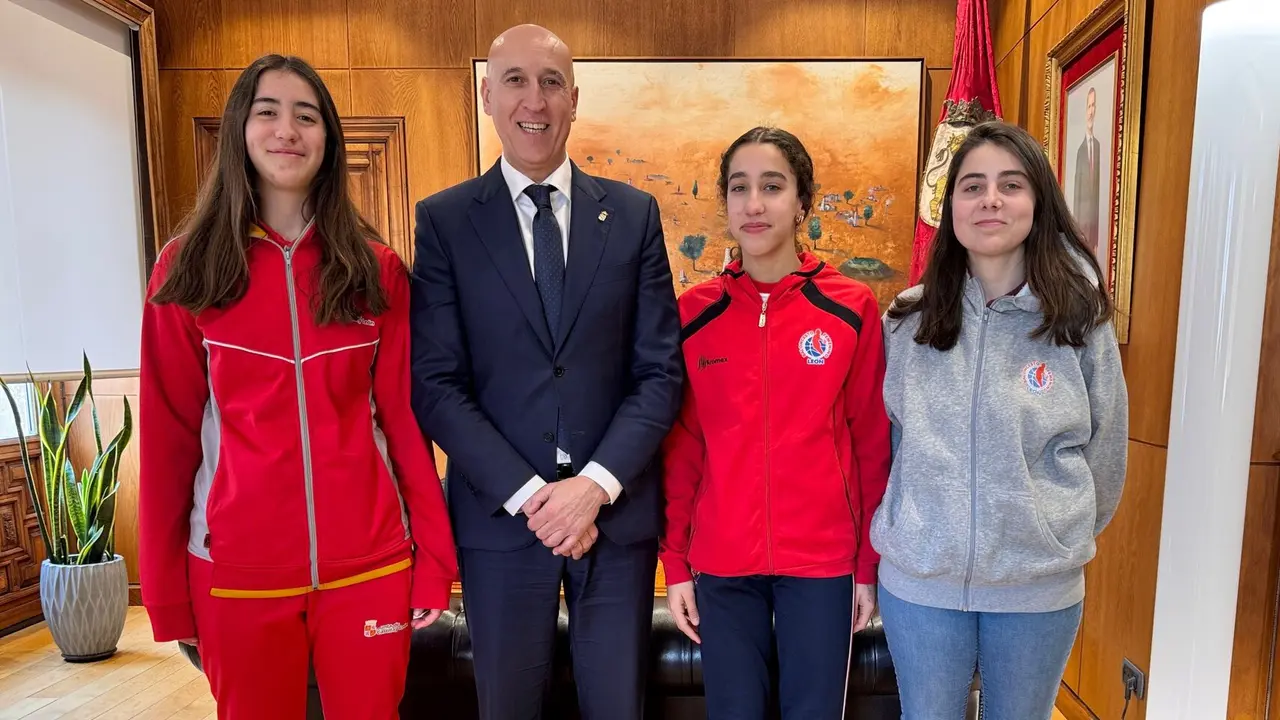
1104, 52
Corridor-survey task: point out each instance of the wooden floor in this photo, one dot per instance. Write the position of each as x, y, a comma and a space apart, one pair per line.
143, 681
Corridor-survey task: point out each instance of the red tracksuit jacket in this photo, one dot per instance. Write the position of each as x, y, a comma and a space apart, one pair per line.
781, 451
284, 452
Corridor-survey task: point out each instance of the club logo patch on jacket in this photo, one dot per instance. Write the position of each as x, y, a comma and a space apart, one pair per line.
1039, 377
816, 347
373, 629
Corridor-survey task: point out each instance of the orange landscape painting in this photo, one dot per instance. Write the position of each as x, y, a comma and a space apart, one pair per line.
662, 125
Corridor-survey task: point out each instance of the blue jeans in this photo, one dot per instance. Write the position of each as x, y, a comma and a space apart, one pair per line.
1020, 656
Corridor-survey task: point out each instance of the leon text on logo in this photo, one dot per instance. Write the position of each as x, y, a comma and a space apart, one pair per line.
816, 347
705, 362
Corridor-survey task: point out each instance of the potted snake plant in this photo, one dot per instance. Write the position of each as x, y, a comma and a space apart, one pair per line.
84, 588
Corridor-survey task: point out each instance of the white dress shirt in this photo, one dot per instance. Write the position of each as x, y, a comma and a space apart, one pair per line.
561, 198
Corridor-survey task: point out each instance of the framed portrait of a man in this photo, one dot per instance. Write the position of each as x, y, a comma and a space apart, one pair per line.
1092, 129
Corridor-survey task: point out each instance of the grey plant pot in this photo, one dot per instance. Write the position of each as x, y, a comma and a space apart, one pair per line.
85, 607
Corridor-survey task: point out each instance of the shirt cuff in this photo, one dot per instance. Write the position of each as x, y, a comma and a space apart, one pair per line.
522, 495
604, 479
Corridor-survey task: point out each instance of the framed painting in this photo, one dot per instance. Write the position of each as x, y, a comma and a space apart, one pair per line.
662, 124
1093, 124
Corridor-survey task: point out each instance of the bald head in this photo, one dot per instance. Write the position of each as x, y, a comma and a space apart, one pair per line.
528, 90
525, 40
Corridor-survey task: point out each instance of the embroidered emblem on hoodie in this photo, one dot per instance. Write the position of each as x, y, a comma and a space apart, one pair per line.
816, 347
1039, 377
373, 629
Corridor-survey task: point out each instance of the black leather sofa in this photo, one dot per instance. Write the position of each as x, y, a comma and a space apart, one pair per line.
441, 683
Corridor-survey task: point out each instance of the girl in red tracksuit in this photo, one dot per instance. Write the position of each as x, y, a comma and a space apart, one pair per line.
780, 454
291, 514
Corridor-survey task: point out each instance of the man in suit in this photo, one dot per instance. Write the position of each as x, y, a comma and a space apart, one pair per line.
1088, 177
547, 367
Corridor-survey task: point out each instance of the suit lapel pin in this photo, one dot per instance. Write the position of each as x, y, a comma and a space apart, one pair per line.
604, 214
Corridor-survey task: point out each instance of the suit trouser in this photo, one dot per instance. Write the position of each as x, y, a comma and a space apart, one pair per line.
512, 602
256, 651
743, 619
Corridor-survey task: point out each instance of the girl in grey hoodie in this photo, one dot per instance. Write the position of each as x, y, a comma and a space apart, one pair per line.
1010, 423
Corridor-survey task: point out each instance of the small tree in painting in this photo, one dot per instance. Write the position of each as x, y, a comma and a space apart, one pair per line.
848, 196
695, 190
815, 231
692, 247
590, 159
866, 214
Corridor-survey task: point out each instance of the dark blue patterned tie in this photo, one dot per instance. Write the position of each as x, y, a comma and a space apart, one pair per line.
548, 273
548, 256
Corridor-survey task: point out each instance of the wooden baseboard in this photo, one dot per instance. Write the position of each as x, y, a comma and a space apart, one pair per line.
19, 608
1071, 706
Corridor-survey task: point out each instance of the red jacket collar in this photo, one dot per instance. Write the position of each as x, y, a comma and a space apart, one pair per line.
810, 266
260, 229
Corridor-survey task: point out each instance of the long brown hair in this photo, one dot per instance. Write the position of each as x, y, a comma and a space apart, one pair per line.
1072, 303
797, 158
211, 268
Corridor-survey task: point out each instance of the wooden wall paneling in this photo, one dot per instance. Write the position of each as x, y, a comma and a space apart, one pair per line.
188, 94
806, 28
1266, 423
579, 23
912, 28
116, 386
675, 28
1255, 631
189, 34
315, 30
436, 107
1121, 588
21, 551
1009, 23
1011, 79
1164, 178
411, 33
1036, 9
339, 84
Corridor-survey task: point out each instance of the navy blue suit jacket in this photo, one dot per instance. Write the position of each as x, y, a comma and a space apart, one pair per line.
488, 376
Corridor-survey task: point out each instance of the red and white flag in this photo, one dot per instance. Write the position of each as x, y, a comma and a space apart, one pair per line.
972, 97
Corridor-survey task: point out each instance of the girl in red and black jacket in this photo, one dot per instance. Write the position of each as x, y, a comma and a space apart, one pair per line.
780, 454
291, 513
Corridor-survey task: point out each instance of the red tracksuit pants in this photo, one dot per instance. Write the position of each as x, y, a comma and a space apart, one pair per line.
256, 651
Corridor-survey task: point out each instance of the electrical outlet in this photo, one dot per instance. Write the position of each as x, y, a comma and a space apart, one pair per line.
1131, 674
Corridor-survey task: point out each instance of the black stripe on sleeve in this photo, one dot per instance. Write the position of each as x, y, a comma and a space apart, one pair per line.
826, 304
709, 313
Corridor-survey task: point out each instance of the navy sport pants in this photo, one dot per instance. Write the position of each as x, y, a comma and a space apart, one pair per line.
747, 623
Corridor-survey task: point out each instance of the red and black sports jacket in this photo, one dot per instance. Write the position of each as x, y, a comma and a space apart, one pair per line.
781, 451
282, 451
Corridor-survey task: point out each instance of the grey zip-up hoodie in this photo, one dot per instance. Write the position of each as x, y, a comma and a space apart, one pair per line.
1009, 458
